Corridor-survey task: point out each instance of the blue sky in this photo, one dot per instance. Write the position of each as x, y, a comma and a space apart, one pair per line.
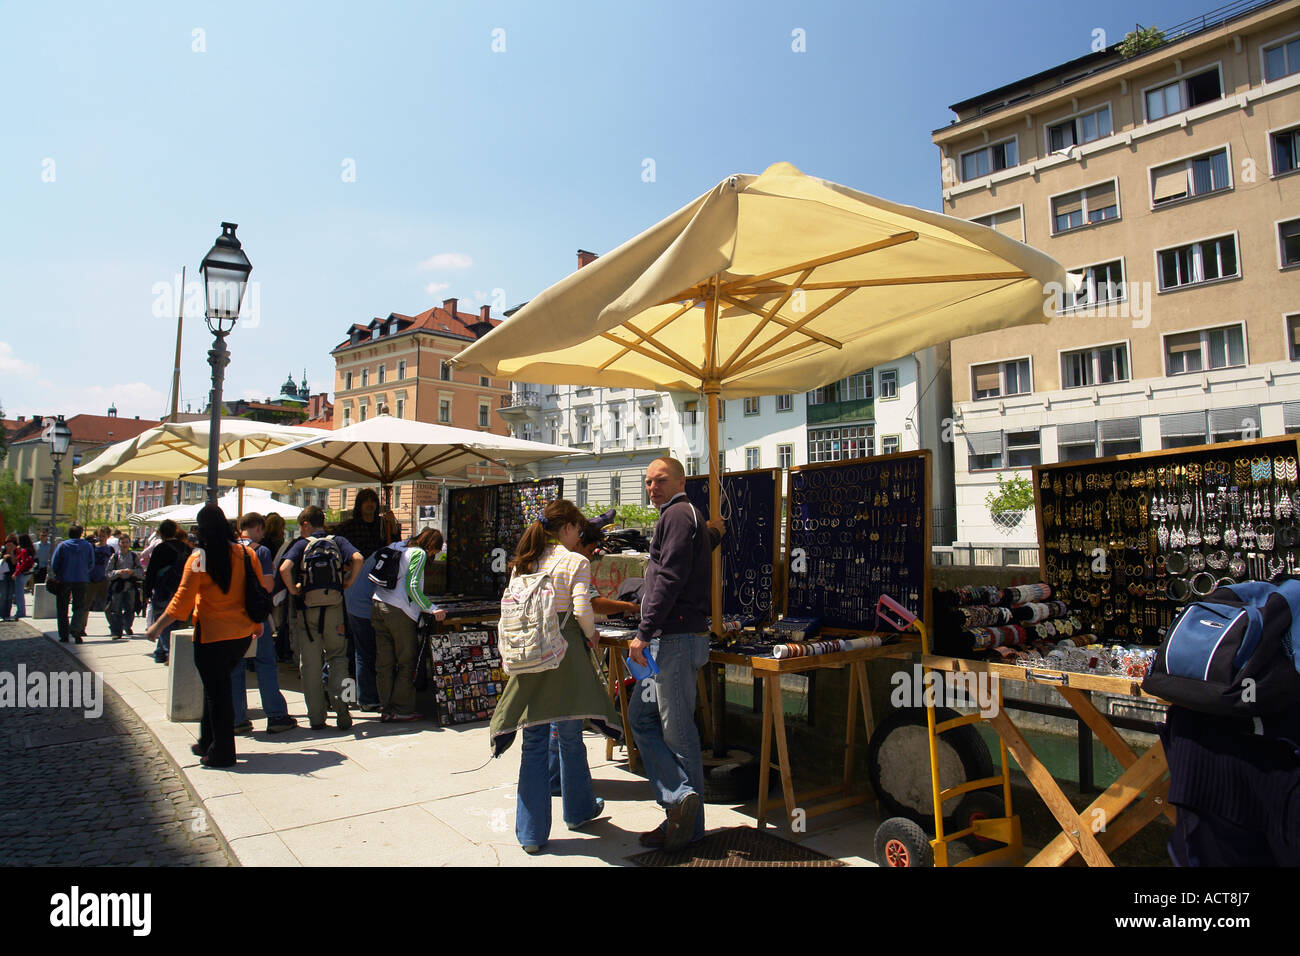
133, 129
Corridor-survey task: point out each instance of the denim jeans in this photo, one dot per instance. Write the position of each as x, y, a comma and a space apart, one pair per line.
20, 594
6, 596
533, 805
268, 680
162, 650
662, 714
363, 634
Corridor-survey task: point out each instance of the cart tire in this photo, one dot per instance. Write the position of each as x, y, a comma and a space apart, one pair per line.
898, 762
732, 779
979, 805
901, 843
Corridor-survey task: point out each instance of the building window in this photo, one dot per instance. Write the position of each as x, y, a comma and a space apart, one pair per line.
1182, 429
837, 444
1187, 178
858, 386
347, 417
1183, 94
1293, 336
552, 432
824, 395
785, 456
1007, 222
649, 422
381, 374
1198, 262
985, 450
401, 408
616, 424
1083, 207
444, 411
1001, 378
1101, 284
1288, 235
889, 384
615, 490
584, 427
444, 371
690, 412
361, 411
692, 466
784, 403
365, 377
1080, 130
1099, 366
645, 496
751, 406
1023, 449
889, 444
1189, 352
347, 381
484, 415
401, 369
1281, 59
752, 458
582, 493
484, 381
1286, 151
988, 159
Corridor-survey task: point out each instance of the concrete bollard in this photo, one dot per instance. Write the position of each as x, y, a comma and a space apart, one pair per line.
44, 604
184, 688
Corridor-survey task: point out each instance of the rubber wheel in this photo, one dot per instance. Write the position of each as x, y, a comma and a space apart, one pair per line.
898, 762
901, 843
732, 779
979, 805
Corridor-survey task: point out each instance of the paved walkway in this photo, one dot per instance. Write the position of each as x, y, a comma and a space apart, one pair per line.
394, 794
88, 790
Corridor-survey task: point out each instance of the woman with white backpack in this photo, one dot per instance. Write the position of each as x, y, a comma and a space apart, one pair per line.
552, 677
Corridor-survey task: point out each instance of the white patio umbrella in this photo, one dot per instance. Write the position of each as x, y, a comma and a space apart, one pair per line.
383, 450
254, 499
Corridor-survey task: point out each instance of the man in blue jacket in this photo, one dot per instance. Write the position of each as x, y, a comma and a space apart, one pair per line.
70, 566
675, 607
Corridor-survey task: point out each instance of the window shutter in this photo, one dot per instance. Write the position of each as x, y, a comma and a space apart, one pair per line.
1168, 182
1182, 425
988, 377
1121, 429
1291, 415
1077, 433
1064, 205
984, 443
1008, 223
1099, 197
1230, 419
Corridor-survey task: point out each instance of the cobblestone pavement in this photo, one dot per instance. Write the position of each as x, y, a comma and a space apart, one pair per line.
89, 791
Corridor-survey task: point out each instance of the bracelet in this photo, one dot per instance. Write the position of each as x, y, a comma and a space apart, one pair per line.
1178, 590
1203, 583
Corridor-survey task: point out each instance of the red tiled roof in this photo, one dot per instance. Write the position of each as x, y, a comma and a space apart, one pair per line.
106, 429
436, 319
324, 421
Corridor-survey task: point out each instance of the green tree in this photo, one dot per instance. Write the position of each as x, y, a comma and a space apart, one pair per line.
15, 502
1140, 40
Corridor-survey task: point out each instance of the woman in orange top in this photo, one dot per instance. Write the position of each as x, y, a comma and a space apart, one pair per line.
212, 587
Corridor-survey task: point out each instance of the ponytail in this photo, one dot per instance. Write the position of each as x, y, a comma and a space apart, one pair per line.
538, 534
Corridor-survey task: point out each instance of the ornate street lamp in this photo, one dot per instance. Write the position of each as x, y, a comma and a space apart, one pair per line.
225, 276
59, 435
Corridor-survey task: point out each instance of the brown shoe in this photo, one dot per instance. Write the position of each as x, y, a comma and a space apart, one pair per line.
655, 839
680, 827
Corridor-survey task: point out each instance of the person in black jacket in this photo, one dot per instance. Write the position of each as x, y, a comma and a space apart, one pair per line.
675, 605
162, 577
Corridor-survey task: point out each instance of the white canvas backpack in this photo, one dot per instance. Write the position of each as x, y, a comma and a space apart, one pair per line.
529, 634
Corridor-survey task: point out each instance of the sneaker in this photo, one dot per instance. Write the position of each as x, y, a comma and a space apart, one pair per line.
680, 826
532, 849
654, 839
600, 811
278, 725
317, 726
245, 728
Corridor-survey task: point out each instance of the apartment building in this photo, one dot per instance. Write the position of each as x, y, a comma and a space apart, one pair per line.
1168, 182
403, 363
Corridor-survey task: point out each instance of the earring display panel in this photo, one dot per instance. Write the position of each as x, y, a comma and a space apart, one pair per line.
856, 530
750, 504
485, 518
518, 506
467, 676
1128, 540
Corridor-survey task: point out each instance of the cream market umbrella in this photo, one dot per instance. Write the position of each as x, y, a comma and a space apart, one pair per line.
771, 284
384, 450
174, 449
253, 499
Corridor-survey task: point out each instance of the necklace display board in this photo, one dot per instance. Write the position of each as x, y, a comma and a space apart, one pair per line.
857, 530
465, 668
485, 518
1131, 538
751, 501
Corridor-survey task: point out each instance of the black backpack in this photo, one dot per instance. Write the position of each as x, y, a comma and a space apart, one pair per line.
322, 572
388, 568
257, 602
1232, 653
169, 579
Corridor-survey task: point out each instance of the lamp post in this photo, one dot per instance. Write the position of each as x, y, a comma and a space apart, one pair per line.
59, 435
225, 276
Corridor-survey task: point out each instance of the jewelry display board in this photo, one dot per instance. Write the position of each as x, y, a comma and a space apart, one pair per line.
751, 501
1131, 538
856, 530
465, 668
483, 519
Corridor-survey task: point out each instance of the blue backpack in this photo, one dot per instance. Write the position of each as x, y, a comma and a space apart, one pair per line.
1233, 653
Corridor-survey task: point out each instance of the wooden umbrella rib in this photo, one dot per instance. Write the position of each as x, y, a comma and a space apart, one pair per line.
748, 361
893, 280
370, 450
662, 360
768, 316
327, 461
786, 323
742, 285
649, 339
760, 359
655, 331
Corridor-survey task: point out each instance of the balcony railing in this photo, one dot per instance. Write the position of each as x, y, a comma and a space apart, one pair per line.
522, 400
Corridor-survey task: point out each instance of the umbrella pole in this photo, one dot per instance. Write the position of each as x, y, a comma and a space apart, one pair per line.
240, 499
712, 391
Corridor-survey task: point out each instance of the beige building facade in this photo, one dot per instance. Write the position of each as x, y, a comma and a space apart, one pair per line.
1170, 182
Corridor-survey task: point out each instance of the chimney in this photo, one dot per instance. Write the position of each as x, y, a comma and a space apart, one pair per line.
484, 313
450, 306
484, 324
586, 258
